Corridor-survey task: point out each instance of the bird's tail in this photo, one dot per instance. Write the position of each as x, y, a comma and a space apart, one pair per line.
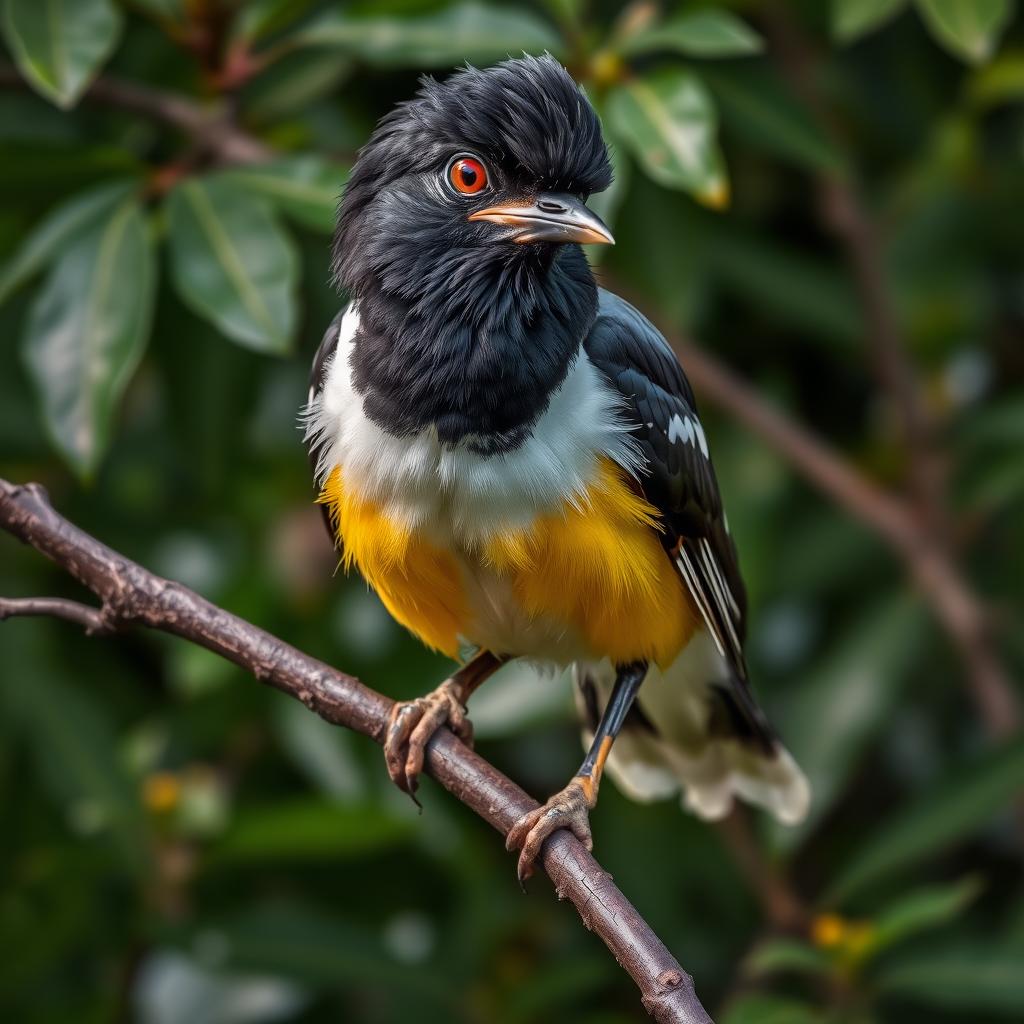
693, 731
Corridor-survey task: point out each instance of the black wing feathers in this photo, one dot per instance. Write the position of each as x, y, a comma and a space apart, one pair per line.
681, 484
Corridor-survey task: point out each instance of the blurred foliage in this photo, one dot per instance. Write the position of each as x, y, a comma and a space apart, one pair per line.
182, 846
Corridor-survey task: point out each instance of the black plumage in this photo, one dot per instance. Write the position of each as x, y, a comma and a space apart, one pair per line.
458, 329
473, 305
680, 482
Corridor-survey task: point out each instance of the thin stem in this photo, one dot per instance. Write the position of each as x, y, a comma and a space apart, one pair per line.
92, 619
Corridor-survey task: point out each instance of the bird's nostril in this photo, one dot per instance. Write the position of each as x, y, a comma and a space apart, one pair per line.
551, 206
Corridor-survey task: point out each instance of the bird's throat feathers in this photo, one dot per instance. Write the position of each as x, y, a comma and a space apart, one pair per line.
472, 343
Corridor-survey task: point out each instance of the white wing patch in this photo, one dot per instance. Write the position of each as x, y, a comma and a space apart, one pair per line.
457, 490
688, 430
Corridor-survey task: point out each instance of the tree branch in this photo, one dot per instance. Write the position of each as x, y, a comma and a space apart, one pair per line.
943, 587
213, 129
937, 568
132, 596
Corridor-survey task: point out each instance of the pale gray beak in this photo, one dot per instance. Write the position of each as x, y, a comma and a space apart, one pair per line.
551, 217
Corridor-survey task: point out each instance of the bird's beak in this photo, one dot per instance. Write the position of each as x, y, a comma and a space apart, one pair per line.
550, 217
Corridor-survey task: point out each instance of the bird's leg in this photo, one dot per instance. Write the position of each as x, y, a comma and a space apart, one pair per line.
414, 722
571, 807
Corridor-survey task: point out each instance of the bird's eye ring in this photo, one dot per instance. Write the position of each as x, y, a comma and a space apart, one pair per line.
467, 175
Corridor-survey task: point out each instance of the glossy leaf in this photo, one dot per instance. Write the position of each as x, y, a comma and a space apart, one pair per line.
949, 812
668, 121
233, 263
58, 229
967, 28
87, 329
854, 18
921, 910
971, 978
305, 187
451, 35
60, 45
784, 955
310, 829
706, 33
756, 106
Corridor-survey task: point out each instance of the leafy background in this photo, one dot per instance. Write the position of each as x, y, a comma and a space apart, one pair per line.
180, 845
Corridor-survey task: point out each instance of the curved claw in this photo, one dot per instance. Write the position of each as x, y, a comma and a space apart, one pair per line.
569, 809
411, 727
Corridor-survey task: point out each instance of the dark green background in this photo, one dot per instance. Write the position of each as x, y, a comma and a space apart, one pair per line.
182, 845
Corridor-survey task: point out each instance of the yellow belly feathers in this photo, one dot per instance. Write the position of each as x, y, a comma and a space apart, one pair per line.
596, 566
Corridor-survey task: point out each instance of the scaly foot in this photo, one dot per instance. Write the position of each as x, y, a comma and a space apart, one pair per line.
411, 726
569, 809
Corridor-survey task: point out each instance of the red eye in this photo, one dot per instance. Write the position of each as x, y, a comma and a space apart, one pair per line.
467, 175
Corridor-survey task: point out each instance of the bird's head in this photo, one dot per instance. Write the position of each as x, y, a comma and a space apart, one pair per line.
478, 176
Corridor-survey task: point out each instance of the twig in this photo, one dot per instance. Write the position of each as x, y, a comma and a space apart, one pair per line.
132, 596
844, 213
937, 564
213, 129
945, 590
57, 608
781, 904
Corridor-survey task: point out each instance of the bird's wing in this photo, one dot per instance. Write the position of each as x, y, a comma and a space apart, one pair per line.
680, 482
317, 378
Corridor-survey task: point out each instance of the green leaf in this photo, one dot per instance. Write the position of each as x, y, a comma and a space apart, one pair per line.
949, 811
59, 45
310, 829
764, 1009
668, 120
782, 279
233, 264
843, 704
1001, 81
755, 105
775, 956
967, 28
304, 187
854, 18
999, 422
922, 910
73, 743
971, 978
451, 35
259, 18
61, 226
173, 10
707, 33
306, 945
87, 329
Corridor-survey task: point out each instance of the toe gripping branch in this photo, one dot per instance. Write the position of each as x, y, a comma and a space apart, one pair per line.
413, 723
570, 808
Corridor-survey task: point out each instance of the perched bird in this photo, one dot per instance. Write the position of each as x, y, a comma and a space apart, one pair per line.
512, 457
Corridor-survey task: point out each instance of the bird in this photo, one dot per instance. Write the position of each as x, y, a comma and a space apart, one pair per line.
512, 456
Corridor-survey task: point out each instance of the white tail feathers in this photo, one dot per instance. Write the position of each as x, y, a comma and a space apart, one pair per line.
674, 751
